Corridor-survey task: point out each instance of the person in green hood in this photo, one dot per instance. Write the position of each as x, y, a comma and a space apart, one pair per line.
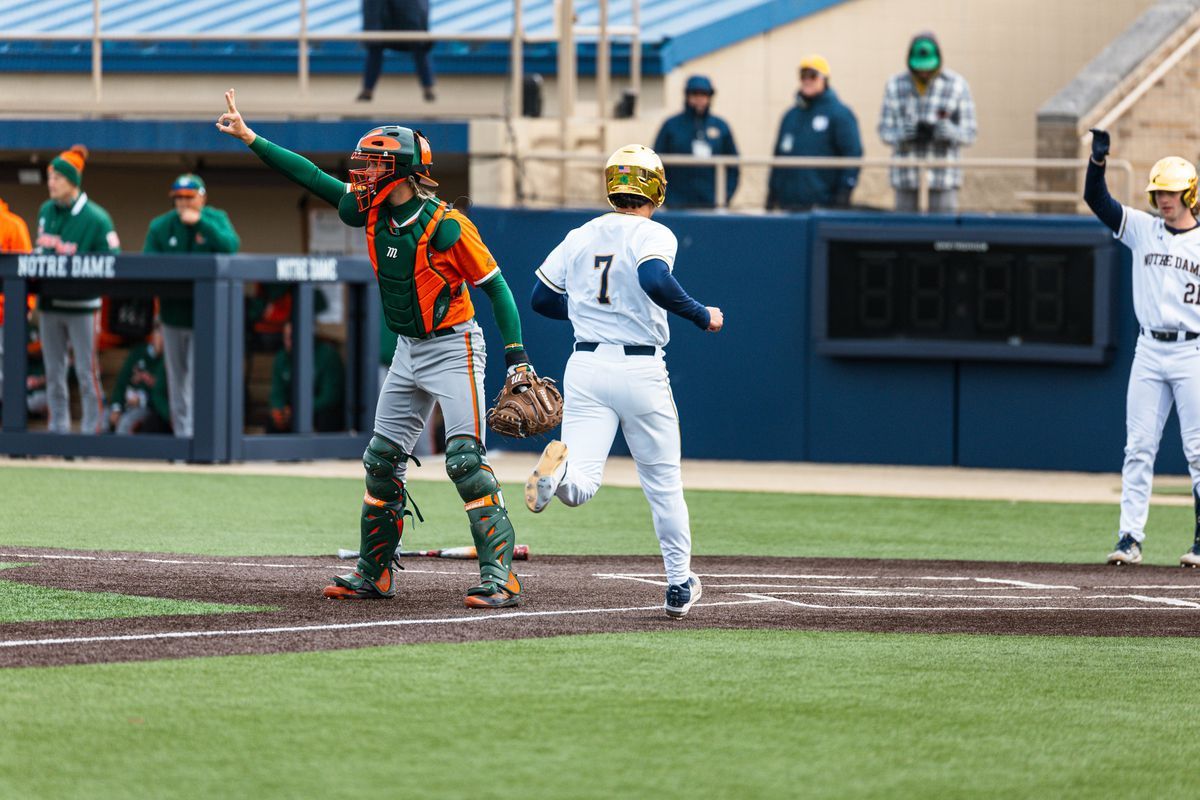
927, 112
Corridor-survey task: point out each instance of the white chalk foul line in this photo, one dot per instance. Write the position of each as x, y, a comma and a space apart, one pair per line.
345, 626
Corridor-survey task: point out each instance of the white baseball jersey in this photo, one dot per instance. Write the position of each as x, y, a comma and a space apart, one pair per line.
1166, 272
596, 267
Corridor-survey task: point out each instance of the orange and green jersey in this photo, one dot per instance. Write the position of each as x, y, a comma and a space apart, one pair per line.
425, 254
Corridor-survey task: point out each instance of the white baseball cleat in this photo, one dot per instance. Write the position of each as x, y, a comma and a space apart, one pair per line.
1191, 558
681, 597
544, 480
1128, 552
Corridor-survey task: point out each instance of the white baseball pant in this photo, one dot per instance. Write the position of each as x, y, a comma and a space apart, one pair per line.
1163, 373
606, 388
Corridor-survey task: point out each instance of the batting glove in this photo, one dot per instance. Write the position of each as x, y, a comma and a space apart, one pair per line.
1100, 143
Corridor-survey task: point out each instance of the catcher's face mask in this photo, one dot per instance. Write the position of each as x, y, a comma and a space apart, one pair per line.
388, 155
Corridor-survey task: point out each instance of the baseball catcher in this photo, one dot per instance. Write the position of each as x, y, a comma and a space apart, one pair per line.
424, 253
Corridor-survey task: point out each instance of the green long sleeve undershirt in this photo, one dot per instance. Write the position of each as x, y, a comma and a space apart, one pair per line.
504, 308
299, 170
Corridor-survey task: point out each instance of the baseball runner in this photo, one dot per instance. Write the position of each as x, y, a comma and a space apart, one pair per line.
611, 278
424, 255
1166, 362
69, 223
192, 227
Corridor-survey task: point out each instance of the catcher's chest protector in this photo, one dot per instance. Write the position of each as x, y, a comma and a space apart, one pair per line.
420, 289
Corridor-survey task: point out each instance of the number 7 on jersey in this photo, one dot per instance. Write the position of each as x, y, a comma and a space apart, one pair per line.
604, 264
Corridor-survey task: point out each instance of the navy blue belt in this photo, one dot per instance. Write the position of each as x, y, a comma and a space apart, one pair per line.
630, 349
1169, 336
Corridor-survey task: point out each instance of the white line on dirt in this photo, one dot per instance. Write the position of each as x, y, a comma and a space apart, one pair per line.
963, 608
1173, 586
952, 578
1171, 601
391, 623
635, 575
1022, 584
886, 593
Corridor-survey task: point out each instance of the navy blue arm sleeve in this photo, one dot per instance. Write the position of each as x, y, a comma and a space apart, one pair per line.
548, 302
657, 281
1102, 204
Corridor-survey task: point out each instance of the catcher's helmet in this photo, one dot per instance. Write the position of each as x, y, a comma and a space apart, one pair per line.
636, 169
391, 153
1173, 174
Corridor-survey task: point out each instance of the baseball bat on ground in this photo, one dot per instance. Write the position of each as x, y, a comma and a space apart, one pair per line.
520, 553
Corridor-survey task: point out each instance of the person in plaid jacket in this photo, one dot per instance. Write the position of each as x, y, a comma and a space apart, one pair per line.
927, 113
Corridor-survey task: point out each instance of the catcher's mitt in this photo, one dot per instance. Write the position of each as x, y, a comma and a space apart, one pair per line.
526, 406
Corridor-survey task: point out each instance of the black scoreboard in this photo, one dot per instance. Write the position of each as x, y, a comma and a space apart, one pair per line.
964, 293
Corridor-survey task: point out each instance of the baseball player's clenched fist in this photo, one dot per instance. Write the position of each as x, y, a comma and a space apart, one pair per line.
716, 320
231, 121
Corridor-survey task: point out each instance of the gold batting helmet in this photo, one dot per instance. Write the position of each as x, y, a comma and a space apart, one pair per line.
1173, 174
636, 169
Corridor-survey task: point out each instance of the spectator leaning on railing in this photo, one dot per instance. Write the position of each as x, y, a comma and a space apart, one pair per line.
819, 124
70, 223
697, 132
927, 113
193, 227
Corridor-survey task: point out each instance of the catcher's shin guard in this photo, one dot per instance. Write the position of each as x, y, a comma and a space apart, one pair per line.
491, 529
381, 526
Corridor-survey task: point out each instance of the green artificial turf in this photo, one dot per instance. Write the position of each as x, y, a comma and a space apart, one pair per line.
695, 714
267, 515
20, 602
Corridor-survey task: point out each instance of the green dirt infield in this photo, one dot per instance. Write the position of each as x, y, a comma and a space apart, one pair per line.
699, 713
696, 714
272, 515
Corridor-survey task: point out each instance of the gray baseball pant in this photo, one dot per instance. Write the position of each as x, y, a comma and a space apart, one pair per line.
447, 370
57, 331
181, 362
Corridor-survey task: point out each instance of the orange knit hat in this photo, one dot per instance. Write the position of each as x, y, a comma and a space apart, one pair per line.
69, 163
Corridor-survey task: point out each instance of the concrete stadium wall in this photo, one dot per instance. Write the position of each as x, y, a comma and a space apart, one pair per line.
758, 390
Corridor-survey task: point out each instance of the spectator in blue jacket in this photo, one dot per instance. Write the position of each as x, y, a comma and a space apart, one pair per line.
818, 125
697, 132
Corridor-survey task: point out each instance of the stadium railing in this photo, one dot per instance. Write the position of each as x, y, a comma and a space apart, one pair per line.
724, 163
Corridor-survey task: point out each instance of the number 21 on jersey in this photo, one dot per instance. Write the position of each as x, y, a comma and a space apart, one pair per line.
604, 264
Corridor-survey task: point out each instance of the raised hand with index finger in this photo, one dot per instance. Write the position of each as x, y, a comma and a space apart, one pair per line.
231, 121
